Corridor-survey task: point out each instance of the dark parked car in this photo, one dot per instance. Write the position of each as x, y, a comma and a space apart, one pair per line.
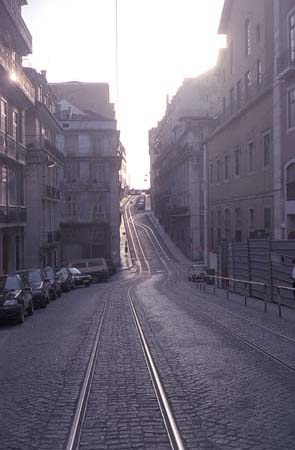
39, 285
80, 279
66, 279
15, 297
54, 283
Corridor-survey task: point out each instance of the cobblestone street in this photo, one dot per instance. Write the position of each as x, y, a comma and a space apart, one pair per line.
223, 391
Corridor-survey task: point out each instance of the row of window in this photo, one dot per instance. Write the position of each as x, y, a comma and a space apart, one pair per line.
11, 121
223, 225
76, 171
218, 174
291, 108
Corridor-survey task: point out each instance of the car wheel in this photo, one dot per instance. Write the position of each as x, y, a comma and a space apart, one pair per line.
21, 315
31, 309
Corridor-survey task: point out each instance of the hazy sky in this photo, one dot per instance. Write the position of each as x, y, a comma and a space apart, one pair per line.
161, 42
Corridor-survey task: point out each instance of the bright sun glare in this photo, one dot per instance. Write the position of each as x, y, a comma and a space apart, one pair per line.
160, 42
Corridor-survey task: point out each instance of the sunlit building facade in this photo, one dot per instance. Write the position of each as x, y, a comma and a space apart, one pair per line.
43, 173
16, 95
241, 161
178, 164
90, 216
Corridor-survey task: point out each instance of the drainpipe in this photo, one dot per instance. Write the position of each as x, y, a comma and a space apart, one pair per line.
205, 197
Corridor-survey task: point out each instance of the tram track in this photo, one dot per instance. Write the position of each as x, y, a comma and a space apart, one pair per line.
162, 253
168, 421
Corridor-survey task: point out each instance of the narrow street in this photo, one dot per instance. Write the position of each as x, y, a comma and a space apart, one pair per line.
227, 370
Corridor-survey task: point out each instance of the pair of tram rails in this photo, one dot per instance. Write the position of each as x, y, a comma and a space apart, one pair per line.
173, 433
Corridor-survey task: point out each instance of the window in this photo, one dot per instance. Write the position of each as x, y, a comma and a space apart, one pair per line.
227, 224
290, 183
12, 186
71, 206
248, 83
247, 37
291, 108
3, 185
237, 162
97, 173
267, 218
251, 218
3, 116
211, 174
231, 100
266, 148
219, 226
258, 32
211, 230
239, 93
231, 57
226, 167
259, 73
15, 127
218, 171
17, 253
72, 172
292, 37
250, 156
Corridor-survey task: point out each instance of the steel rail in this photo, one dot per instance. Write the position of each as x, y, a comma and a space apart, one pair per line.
75, 431
246, 341
130, 233
131, 220
166, 412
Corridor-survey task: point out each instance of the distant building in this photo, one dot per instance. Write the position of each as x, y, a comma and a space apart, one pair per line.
178, 164
242, 167
90, 216
43, 174
123, 173
16, 95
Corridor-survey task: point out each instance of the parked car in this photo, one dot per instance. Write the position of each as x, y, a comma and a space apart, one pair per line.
66, 279
96, 267
80, 279
15, 297
54, 283
197, 272
40, 286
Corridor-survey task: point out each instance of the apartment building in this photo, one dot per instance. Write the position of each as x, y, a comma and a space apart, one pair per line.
16, 95
241, 163
43, 174
284, 119
178, 195
90, 217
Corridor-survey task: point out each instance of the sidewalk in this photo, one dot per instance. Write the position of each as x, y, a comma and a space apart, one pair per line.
179, 256
125, 258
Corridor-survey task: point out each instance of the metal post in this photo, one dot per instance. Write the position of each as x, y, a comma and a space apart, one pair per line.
280, 306
214, 286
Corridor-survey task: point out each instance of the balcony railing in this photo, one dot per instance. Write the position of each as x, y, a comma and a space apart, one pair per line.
19, 23
286, 63
50, 237
88, 185
11, 214
50, 192
12, 149
179, 210
246, 100
16, 74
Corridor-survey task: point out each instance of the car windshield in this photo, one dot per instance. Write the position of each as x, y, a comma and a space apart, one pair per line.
35, 275
74, 271
9, 283
97, 262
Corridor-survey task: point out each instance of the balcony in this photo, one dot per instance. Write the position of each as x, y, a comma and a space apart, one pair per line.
179, 211
86, 185
17, 83
14, 13
50, 192
247, 100
50, 237
286, 64
12, 149
13, 214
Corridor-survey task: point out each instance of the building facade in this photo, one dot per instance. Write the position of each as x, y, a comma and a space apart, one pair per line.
241, 163
42, 177
16, 95
90, 218
284, 118
178, 195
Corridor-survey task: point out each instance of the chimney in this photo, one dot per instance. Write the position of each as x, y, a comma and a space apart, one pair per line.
44, 73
